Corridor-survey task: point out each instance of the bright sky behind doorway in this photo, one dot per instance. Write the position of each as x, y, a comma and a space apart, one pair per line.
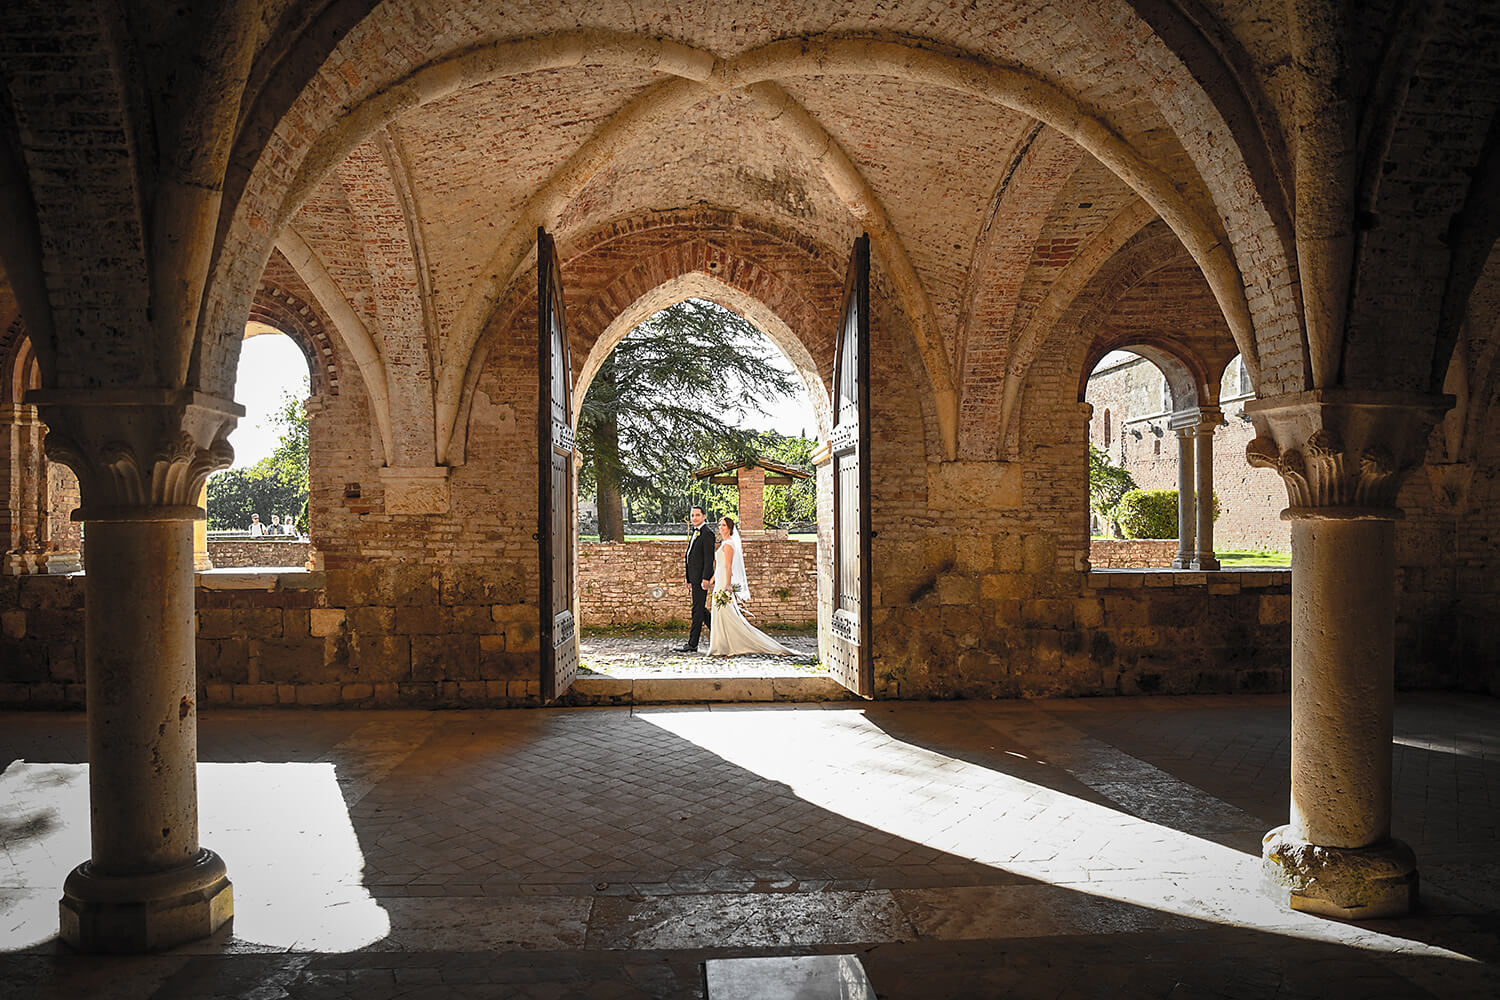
789, 415
270, 366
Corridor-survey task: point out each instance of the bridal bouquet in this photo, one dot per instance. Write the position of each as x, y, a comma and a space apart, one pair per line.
724, 597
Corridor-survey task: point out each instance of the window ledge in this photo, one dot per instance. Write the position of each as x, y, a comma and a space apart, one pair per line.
1248, 576
260, 578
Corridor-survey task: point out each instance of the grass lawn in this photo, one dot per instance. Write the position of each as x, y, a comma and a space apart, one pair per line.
1241, 558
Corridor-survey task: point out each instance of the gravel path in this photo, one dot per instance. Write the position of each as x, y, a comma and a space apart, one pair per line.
655, 655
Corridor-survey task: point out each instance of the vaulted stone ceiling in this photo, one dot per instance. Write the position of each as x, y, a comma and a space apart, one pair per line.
399, 156
978, 209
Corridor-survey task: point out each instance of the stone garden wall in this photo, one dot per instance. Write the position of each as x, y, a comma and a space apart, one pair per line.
1132, 553
235, 553
622, 583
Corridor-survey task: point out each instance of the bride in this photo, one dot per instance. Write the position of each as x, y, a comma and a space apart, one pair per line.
730, 634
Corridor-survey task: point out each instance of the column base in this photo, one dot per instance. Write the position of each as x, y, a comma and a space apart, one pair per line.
1205, 562
1182, 561
139, 913
1359, 883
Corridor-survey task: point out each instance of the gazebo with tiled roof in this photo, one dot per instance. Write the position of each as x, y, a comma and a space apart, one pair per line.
751, 476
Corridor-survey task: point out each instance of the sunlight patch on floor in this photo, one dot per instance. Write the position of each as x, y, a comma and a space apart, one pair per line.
841, 761
282, 829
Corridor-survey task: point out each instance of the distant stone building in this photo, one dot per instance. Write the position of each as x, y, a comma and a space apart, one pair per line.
1132, 406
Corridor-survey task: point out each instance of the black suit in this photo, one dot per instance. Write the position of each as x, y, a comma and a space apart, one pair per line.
700, 567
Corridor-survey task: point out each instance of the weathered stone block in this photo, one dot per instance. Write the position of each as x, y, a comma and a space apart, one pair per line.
325, 621
428, 619
1275, 609
413, 585
372, 620
215, 623
954, 588
1088, 612
255, 694
381, 657
1038, 553
318, 694
257, 623
445, 657
292, 661
13, 624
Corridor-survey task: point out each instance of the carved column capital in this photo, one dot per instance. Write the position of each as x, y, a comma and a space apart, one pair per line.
1196, 420
1342, 453
139, 454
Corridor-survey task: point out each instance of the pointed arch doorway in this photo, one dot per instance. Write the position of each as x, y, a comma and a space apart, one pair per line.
844, 620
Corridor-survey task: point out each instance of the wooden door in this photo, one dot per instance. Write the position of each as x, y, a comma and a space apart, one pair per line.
555, 537
850, 447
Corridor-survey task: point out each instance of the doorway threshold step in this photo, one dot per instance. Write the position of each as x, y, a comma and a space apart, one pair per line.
801, 977
696, 690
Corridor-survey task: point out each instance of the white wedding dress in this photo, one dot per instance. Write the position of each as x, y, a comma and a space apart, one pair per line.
729, 633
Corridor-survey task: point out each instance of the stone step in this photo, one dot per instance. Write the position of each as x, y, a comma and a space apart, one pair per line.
795, 977
696, 690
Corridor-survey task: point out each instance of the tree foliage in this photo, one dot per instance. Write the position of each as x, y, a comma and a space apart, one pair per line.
1107, 483
1151, 513
664, 399
277, 484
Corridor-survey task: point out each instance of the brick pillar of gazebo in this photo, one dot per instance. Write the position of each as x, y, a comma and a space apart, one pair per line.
751, 482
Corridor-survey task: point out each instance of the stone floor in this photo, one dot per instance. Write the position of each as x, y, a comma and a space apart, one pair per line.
1096, 848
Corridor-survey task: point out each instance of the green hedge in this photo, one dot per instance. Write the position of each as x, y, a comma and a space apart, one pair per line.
1151, 513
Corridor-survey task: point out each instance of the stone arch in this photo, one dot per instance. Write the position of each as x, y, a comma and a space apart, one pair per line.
695, 284
628, 259
285, 313
13, 342
1239, 176
37, 495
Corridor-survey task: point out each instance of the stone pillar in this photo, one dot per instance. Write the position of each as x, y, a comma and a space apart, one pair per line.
1342, 454
141, 457
23, 484
201, 560
751, 483
1210, 418
1184, 424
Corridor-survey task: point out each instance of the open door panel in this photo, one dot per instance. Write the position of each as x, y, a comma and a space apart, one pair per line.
850, 448
555, 537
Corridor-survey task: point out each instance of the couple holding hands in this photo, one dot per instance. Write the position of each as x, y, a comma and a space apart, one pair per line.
729, 633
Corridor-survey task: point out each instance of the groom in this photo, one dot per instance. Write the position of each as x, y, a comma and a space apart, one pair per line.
700, 569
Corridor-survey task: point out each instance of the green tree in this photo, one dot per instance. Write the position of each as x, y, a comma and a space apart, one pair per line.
277, 484
1107, 484
663, 399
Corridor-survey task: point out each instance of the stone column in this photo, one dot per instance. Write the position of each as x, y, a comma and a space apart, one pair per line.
751, 484
1183, 425
141, 457
1342, 454
23, 484
201, 560
1210, 418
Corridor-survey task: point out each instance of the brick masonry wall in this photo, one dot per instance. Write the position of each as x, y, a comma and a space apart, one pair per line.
258, 552
642, 582
298, 640
1132, 553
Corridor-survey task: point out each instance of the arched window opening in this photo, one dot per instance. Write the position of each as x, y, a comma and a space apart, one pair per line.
1250, 527
40, 495
263, 497
1134, 482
